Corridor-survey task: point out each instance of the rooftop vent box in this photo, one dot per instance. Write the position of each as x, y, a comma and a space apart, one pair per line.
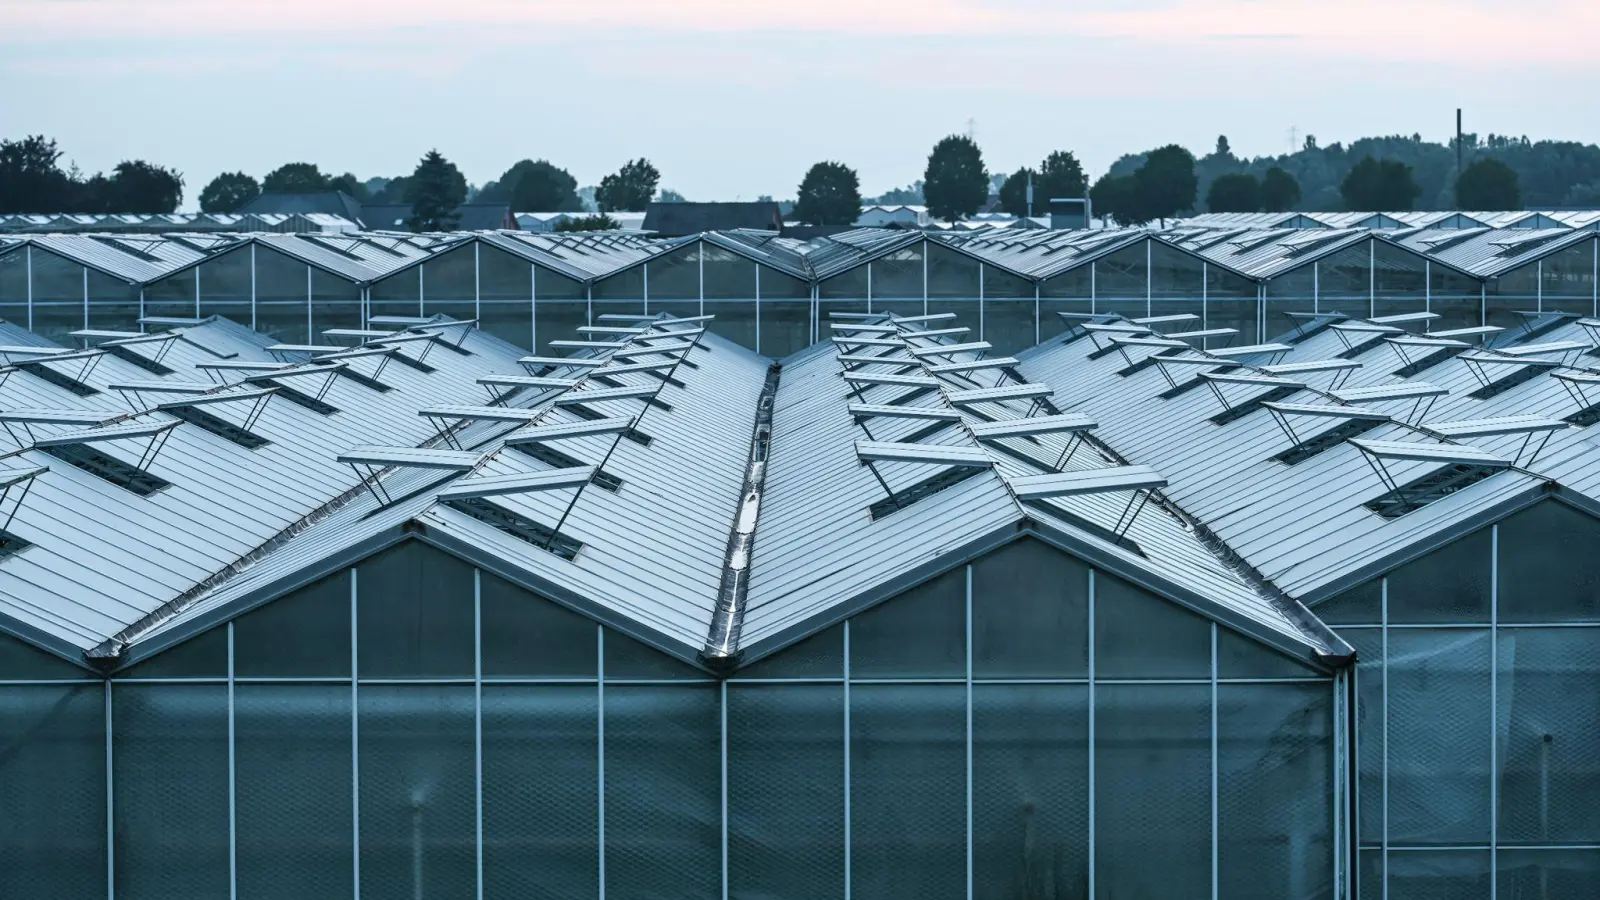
1070, 213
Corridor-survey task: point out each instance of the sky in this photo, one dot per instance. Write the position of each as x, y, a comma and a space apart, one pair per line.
732, 99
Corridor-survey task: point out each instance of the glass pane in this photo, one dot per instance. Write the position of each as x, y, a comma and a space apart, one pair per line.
1030, 791
1548, 731
908, 791
527, 635
557, 320
1239, 656
1010, 325
735, 321
919, 634
449, 284
898, 274
1292, 291
399, 294
414, 616
1549, 571
52, 791
663, 791
1344, 282
1439, 875
1140, 635
1175, 275
1122, 274
14, 278
170, 756
785, 326
113, 303
1152, 789
628, 285
1567, 280
1361, 605
728, 276
20, 661
418, 807
283, 297
951, 274
58, 297
1456, 298
1450, 584
1549, 874
786, 791
1400, 281
225, 287
541, 790
1274, 768
505, 296
1439, 730
818, 656
202, 656
627, 658
673, 276
335, 303
1030, 613
847, 285
306, 633
293, 776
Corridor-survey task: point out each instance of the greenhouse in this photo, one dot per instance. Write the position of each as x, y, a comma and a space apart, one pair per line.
1152, 609
775, 294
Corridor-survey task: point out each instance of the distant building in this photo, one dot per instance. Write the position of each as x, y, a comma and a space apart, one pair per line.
336, 203
678, 219
375, 217
539, 222
469, 217
894, 216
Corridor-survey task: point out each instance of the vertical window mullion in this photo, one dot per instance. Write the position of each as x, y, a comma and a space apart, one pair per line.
355, 735
111, 795
968, 632
722, 690
1384, 619
477, 713
233, 780
1091, 892
847, 837
1216, 844
600, 743
1494, 703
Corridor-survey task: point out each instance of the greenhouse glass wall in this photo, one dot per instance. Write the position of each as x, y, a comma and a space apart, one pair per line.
775, 295
672, 618
945, 744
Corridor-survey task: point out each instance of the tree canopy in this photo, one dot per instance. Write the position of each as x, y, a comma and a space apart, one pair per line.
228, 191
955, 183
296, 178
136, 186
1488, 185
1118, 197
596, 222
829, 194
32, 182
1014, 193
668, 195
629, 189
1237, 193
534, 186
351, 185
436, 189
1167, 184
1279, 191
1379, 185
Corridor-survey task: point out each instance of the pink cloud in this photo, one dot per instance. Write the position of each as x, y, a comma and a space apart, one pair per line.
1555, 31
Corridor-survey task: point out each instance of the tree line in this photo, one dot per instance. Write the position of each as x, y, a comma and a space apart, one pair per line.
1391, 174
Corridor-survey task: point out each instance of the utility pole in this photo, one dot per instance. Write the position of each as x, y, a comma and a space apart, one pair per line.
1030, 195
1458, 142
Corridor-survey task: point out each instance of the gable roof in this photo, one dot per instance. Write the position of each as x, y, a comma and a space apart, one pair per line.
678, 219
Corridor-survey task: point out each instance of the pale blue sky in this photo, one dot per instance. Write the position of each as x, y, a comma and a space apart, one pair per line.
735, 99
